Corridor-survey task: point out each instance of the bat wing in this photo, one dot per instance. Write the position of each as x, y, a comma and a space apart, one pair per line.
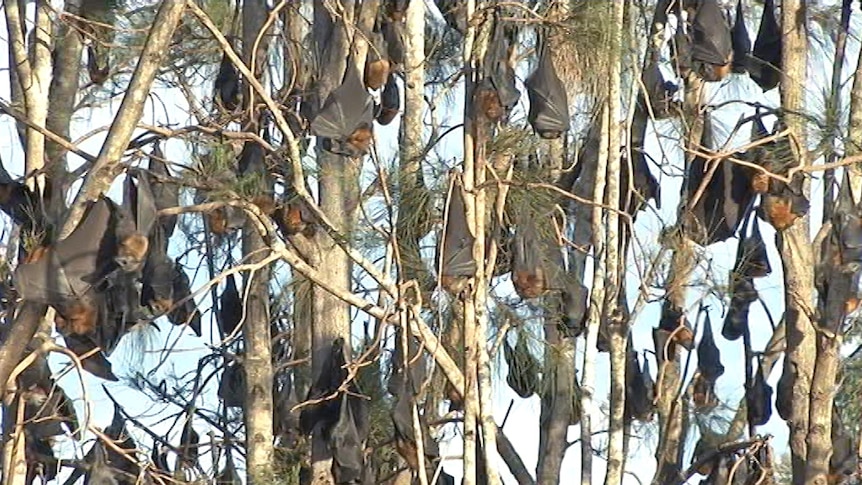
232, 385
457, 254
549, 105
711, 41
138, 197
89, 250
166, 194
230, 307
708, 355
97, 363
184, 313
766, 56
740, 40
347, 108
346, 444
499, 72
44, 281
332, 374
759, 399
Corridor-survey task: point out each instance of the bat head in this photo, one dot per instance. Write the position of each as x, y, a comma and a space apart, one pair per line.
132, 252
376, 73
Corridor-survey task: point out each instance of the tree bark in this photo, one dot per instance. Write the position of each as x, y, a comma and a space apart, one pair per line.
257, 359
617, 327
338, 188
100, 176
794, 244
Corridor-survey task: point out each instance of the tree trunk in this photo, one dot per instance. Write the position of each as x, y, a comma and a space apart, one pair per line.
596, 309
257, 341
794, 244
617, 327
338, 188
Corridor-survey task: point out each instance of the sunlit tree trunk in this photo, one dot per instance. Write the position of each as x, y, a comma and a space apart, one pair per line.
338, 188
257, 358
617, 328
794, 243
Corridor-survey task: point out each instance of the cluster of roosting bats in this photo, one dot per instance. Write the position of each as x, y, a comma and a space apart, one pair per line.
113, 270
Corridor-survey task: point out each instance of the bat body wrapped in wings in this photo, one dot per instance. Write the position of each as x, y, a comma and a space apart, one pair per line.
765, 65
549, 104
345, 121
496, 94
455, 253
390, 101
741, 41
711, 45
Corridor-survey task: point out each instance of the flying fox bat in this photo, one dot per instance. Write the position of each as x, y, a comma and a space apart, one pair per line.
743, 293
639, 404
227, 85
847, 221
185, 310
496, 94
455, 253
708, 355
549, 104
574, 303
644, 184
673, 320
19, 202
346, 439
189, 442
725, 200
741, 41
230, 307
535, 260
765, 66
332, 374
98, 74
523, 375
294, 217
345, 121
136, 219
401, 377
751, 258
758, 398
377, 66
711, 46
66, 275
157, 280
405, 433
660, 93
390, 101
782, 206
41, 460
166, 194
393, 36
396, 9
253, 168
232, 388
47, 408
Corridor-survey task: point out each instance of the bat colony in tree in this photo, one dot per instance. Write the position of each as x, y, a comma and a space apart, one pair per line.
114, 271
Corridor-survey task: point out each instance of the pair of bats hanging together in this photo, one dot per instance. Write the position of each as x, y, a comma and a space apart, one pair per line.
751, 262
640, 389
702, 43
495, 93
90, 276
342, 416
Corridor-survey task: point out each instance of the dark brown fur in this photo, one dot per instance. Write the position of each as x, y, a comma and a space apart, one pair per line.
217, 221
97, 74
529, 284
487, 103
77, 317
386, 116
760, 182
